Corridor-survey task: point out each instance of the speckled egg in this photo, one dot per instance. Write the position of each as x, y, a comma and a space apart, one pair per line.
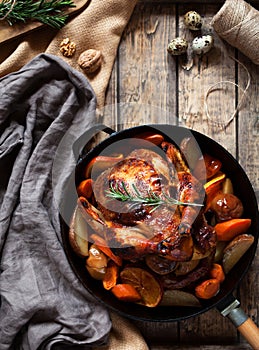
202, 44
193, 20
177, 46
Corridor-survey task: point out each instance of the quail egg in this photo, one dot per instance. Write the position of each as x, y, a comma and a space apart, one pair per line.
177, 46
202, 44
193, 20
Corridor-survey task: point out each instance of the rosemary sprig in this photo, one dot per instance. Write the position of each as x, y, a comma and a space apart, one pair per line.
152, 199
49, 12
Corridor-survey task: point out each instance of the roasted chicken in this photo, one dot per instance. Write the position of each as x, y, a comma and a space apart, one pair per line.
150, 203
150, 219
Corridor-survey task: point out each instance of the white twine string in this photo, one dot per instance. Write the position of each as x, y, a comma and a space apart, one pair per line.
10, 9
238, 107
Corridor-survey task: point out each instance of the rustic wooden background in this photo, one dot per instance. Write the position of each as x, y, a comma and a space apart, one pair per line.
145, 75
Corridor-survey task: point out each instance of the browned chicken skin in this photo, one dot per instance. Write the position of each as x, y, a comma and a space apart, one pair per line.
135, 229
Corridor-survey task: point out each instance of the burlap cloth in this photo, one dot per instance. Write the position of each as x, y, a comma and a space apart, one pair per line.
99, 26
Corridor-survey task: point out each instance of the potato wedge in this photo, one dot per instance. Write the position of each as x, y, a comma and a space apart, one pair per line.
191, 151
179, 298
235, 250
96, 273
96, 258
220, 246
227, 186
78, 233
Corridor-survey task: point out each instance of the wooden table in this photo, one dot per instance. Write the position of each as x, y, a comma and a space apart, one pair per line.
144, 75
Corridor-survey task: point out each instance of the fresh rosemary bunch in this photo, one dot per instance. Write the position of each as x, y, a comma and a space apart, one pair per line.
49, 12
152, 199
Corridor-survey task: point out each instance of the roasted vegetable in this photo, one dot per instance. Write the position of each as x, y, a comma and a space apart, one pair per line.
145, 283
227, 230
79, 232
220, 246
126, 292
227, 186
111, 275
226, 206
207, 289
212, 167
191, 151
96, 263
96, 259
179, 298
85, 188
235, 250
96, 273
217, 272
212, 188
102, 245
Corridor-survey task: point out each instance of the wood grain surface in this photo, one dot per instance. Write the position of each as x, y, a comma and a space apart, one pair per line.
149, 86
8, 32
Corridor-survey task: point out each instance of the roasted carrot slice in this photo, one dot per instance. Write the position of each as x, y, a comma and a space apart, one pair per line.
111, 275
207, 289
227, 230
102, 245
85, 188
126, 292
217, 272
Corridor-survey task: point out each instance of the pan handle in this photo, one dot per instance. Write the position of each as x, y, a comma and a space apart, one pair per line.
81, 143
244, 324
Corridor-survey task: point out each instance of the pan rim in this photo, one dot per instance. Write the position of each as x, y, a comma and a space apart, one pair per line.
205, 305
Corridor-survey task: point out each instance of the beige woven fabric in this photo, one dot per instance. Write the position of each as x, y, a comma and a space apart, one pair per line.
99, 26
124, 336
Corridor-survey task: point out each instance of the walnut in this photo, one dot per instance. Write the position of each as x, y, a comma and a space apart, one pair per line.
67, 47
90, 60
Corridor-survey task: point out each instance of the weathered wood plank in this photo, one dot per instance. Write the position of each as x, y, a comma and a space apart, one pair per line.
248, 145
216, 66
202, 347
144, 75
212, 68
158, 334
109, 114
145, 79
220, 2
143, 89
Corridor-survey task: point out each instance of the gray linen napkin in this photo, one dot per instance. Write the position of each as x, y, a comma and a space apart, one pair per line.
43, 306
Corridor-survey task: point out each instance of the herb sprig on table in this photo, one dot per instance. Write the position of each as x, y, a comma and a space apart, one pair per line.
49, 12
152, 199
